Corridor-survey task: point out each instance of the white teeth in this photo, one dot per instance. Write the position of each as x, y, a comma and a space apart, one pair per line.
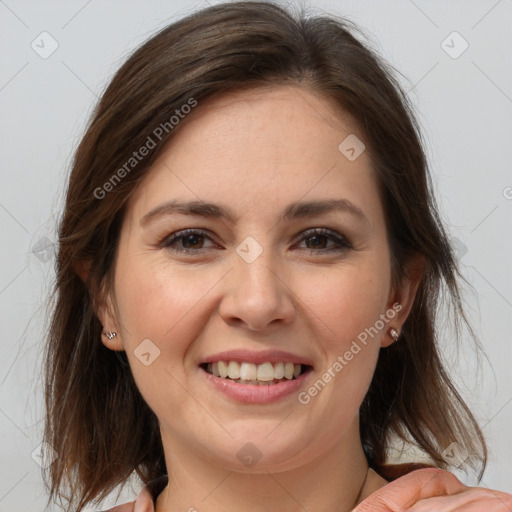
266, 372
279, 370
255, 382
233, 370
223, 369
250, 373
288, 371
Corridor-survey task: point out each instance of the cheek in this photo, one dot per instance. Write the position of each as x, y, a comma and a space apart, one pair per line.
346, 302
346, 308
161, 303
157, 301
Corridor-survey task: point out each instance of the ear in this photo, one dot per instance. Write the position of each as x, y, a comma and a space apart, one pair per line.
109, 321
401, 298
105, 310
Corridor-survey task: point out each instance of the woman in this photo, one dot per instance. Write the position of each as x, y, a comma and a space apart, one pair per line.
249, 269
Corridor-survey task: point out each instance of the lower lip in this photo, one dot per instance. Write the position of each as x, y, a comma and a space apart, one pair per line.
256, 394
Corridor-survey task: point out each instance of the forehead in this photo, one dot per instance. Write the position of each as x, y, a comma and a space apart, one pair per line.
259, 149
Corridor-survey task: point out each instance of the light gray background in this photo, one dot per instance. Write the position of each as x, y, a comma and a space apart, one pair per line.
465, 107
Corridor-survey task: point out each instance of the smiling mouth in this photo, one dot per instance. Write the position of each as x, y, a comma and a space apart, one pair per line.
264, 374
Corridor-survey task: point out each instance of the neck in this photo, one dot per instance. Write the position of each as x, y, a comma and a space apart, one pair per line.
336, 480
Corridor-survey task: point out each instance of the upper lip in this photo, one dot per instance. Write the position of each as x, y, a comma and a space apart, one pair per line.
257, 357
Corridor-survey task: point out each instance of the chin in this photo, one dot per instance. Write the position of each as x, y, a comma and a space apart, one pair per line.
260, 454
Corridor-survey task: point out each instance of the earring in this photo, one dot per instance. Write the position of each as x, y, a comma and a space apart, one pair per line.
110, 334
393, 333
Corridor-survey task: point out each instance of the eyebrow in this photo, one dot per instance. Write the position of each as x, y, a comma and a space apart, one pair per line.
293, 211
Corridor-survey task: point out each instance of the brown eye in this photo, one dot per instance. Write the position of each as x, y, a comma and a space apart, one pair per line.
190, 241
319, 237
187, 241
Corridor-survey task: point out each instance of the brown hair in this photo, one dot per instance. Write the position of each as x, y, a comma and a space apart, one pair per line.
97, 420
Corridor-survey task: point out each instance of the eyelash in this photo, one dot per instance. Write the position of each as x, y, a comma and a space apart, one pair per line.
343, 244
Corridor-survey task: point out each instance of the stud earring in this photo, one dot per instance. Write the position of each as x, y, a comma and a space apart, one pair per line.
393, 333
110, 334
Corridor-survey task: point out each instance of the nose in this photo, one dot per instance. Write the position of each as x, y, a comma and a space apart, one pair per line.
257, 295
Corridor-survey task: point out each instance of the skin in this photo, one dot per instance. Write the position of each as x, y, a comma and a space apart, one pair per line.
255, 152
425, 490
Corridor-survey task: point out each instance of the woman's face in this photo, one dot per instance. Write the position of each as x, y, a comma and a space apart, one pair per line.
260, 283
